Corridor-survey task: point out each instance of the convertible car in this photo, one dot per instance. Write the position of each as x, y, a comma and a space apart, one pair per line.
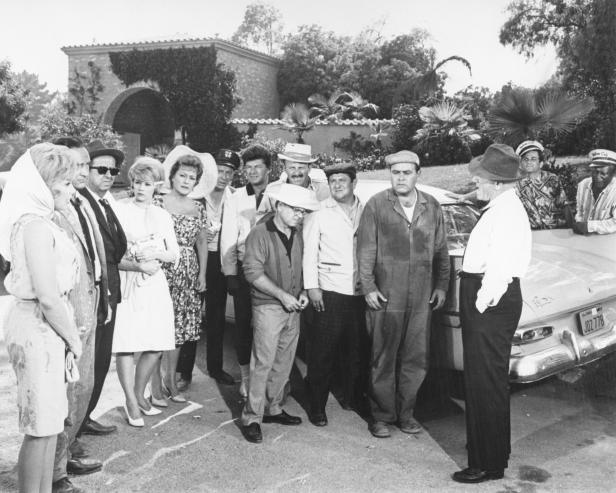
569, 314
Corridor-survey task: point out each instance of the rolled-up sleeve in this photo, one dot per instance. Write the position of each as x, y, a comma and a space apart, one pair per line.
228, 237
366, 248
255, 256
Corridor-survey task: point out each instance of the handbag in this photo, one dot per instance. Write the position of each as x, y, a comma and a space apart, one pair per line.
71, 372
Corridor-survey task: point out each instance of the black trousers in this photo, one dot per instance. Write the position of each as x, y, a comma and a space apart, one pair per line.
337, 340
242, 337
486, 338
102, 358
215, 306
186, 360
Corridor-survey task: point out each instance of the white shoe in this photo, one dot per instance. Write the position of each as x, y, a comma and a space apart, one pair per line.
150, 412
137, 423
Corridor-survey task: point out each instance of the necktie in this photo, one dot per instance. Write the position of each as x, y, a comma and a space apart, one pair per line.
76, 202
111, 217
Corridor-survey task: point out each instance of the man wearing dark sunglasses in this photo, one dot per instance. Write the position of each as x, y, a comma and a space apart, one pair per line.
104, 166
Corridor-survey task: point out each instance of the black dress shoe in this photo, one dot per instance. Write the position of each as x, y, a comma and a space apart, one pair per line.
222, 377
92, 427
81, 467
283, 419
473, 475
252, 433
64, 485
318, 419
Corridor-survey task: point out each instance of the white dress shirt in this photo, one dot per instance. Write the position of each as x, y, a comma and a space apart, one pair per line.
600, 213
499, 247
238, 218
329, 261
108, 197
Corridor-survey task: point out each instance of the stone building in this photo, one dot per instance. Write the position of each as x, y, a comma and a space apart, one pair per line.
143, 116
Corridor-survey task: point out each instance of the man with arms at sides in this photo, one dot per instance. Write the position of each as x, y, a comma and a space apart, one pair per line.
332, 282
89, 299
297, 159
273, 267
596, 196
104, 167
227, 163
238, 219
404, 273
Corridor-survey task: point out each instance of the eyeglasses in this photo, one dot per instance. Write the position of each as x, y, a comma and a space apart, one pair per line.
102, 170
297, 210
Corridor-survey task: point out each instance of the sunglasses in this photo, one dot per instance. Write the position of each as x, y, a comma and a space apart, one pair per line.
102, 170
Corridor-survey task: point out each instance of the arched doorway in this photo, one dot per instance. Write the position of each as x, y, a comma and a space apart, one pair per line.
143, 117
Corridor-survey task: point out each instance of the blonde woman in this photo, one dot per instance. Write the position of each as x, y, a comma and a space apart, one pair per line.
144, 321
40, 328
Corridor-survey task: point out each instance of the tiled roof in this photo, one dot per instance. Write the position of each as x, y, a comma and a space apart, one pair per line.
278, 121
178, 41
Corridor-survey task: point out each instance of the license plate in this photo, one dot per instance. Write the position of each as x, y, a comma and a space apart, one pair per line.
591, 319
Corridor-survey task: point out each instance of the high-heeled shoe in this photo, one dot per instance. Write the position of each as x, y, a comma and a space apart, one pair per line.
158, 402
150, 412
137, 423
177, 398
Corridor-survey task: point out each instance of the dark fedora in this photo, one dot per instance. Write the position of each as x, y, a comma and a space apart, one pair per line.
97, 148
498, 163
225, 157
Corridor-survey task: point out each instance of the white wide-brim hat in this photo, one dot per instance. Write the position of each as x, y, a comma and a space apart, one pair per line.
296, 196
210, 171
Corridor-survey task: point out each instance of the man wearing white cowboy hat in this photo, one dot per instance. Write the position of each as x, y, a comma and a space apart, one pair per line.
297, 159
273, 268
596, 196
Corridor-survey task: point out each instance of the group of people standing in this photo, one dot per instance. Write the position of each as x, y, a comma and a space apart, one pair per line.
93, 276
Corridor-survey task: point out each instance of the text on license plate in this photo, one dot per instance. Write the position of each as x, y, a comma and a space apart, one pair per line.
591, 319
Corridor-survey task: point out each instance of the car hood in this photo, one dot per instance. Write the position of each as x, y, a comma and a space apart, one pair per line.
567, 272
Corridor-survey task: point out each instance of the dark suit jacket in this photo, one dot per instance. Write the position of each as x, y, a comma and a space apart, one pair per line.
115, 247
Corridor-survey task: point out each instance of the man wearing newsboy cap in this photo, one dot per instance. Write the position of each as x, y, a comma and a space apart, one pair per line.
273, 268
403, 265
596, 196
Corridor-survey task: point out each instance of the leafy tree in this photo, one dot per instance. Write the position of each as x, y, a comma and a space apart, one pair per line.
84, 90
55, 121
584, 36
201, 91
312, 63
296, 119
477, 101
406, 123
37, 98
261, 27
520, 114
12, 100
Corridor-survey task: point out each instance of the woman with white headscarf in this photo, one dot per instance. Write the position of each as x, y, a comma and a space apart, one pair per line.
40, 328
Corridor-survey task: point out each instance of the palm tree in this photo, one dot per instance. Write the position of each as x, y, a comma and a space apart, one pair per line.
326, 108
355, 106
426, 84
296, 119
443, 118
521, 115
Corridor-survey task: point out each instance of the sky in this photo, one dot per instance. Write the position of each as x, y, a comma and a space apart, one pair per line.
33, 31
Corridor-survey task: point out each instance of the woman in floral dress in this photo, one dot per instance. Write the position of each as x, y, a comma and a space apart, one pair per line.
186, 278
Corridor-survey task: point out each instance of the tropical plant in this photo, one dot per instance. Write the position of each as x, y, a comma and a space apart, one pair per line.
297, 120
324, 108
426, 84
521, 115
158, 151
445, 135
341, 105
355, 106
378, 131
406, 123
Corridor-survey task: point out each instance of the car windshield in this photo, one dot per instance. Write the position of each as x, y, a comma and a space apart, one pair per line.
459, 222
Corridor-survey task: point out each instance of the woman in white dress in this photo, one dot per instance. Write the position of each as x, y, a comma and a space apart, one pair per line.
144, 319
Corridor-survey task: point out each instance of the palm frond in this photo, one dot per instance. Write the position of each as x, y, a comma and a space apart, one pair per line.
561, 113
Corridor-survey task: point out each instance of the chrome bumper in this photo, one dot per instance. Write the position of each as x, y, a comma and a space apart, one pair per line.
573, 351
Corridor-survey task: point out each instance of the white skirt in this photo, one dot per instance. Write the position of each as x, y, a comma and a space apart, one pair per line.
144, 318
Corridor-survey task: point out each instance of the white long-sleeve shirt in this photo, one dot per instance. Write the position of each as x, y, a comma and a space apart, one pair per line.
238, 218
329, 260
499, 247
600, 213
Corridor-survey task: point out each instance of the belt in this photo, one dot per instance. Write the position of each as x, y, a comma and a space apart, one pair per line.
470, 275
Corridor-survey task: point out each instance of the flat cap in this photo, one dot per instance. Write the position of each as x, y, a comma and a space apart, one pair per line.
602, 157
346, 168
402, 157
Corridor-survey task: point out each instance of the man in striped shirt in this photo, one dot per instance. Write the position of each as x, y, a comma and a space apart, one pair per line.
596, 196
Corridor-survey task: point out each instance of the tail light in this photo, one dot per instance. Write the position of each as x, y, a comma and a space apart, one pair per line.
524, 336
